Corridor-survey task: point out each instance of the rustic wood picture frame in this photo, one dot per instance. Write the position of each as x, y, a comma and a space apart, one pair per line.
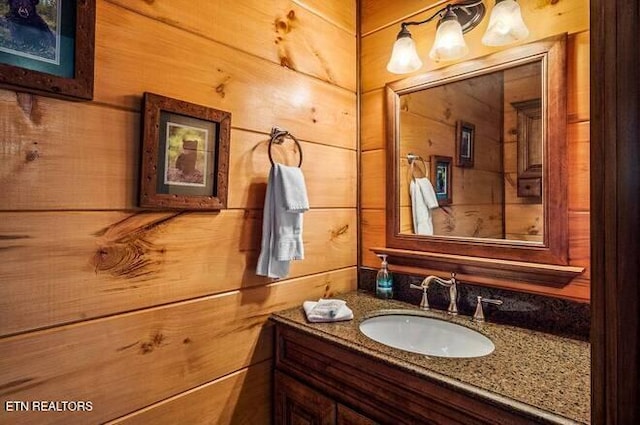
465, 143
185, 155
442, 174
77, 86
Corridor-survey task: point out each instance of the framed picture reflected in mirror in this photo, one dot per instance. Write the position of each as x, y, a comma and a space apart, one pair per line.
465, 141
442, 175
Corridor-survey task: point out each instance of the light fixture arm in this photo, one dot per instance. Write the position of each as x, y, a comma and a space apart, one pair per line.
450, 8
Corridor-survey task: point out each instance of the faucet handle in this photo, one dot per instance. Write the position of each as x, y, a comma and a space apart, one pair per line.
424, 303
479, 314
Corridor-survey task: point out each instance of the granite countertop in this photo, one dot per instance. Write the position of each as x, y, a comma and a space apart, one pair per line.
542, 374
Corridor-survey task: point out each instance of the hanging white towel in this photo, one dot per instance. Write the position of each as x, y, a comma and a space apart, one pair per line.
423, 200
285, 201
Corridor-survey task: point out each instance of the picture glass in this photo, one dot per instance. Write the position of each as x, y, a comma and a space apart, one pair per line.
187, 152
441, 180
185, 155
465, 145
38, 35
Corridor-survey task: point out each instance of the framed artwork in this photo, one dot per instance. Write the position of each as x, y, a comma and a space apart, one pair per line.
185, 155
465, 135
442, 176
47, 47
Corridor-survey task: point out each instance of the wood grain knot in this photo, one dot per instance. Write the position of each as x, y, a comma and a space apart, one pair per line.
32, 155
339, 232
154, 342
220, 90
284, 61
282, 26
127, 260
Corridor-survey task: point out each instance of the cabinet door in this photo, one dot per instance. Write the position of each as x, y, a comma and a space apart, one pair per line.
347, 416
297, 404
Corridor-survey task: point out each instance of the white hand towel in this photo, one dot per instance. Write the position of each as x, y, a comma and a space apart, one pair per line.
294, 188
327, 310
295, 202
285, 201
423, 200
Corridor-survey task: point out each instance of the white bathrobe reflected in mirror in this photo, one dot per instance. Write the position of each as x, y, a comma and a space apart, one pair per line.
423, 200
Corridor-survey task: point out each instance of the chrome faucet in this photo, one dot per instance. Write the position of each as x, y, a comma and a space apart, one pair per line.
453, 292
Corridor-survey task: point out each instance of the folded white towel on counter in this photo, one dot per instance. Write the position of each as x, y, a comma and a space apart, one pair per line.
327, 310
285, 201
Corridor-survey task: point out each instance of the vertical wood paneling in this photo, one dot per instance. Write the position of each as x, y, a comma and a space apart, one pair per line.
578, 152
372, 115
373, 177
615, 156
158, 317
373, 229
380, 27
578, 94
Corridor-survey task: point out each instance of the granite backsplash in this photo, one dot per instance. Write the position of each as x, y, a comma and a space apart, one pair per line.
553, 315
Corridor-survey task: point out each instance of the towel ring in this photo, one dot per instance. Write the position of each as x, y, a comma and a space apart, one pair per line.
412, 159
277, 136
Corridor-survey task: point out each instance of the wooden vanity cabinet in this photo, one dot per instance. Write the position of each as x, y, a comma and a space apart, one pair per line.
298, 404
320, 382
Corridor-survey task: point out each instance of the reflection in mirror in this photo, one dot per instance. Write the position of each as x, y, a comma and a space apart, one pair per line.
477, 115
491, 124
529, 131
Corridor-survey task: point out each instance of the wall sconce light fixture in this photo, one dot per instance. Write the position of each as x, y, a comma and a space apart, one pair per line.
505, 26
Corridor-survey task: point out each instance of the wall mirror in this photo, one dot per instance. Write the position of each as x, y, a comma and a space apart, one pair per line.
476, 157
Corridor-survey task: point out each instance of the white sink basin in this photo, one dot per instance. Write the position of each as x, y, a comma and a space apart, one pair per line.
426, 335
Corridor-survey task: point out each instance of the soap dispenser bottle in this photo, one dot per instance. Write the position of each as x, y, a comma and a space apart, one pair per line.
384, 280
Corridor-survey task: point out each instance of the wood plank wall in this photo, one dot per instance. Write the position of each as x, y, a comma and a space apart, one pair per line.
158, 317
379, 27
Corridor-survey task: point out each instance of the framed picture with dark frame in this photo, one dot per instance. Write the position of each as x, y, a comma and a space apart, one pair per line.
185, 155
441, 175
47, 47
465, 143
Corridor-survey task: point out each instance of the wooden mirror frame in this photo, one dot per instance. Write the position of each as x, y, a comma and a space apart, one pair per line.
414, 250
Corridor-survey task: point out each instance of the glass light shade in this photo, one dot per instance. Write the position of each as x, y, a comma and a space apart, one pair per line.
449, 43
505, 24
404, 57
